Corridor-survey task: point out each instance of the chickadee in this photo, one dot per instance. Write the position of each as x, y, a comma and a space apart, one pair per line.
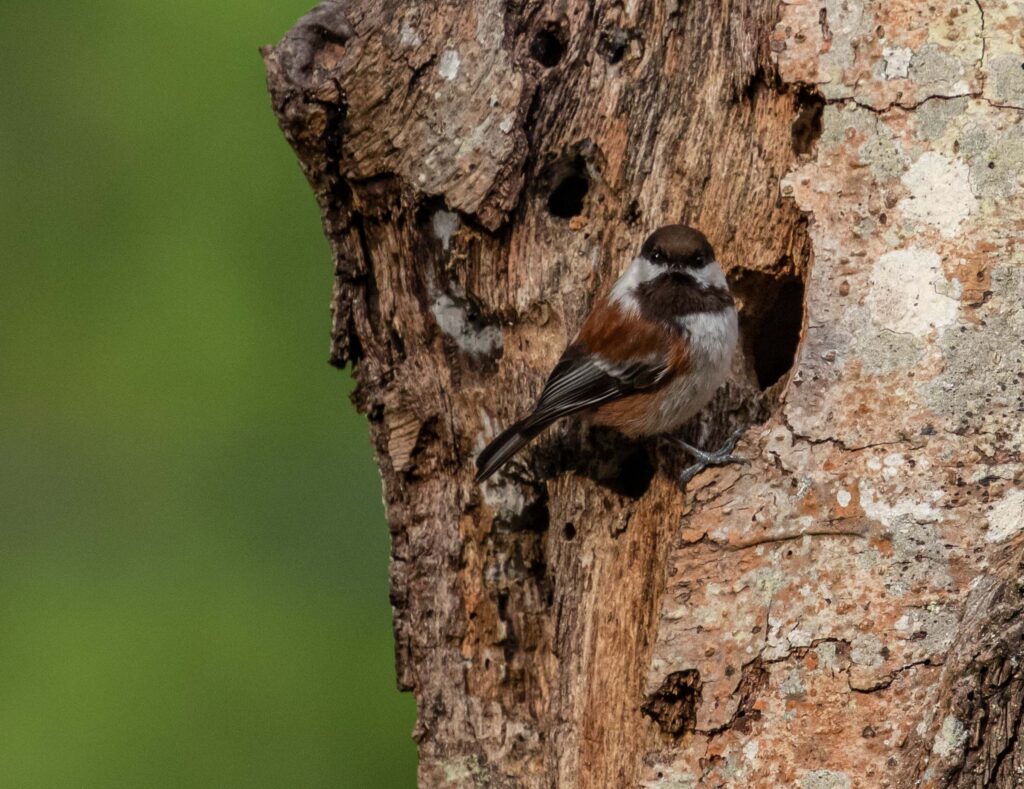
649, 356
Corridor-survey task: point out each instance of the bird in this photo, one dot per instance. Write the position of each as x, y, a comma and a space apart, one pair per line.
649, 355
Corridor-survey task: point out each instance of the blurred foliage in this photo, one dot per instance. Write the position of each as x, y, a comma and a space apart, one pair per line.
193, 589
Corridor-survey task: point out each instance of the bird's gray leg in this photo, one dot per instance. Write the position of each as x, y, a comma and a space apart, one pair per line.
719, 457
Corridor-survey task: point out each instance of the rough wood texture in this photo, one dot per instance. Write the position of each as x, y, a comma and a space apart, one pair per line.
845, 611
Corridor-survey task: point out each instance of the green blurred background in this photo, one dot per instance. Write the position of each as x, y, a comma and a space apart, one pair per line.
193, 556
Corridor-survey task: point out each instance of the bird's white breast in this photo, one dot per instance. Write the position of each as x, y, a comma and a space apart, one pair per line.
711, 338
623, 292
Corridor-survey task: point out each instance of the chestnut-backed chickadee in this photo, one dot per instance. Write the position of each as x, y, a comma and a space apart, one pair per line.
649, 356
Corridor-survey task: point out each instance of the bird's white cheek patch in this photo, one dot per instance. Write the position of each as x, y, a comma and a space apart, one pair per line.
909, 293
710, 276
624, 291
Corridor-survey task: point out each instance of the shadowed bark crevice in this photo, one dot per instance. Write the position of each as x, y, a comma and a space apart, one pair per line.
673, 706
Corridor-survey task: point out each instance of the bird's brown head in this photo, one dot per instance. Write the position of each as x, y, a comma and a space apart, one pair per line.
678, 247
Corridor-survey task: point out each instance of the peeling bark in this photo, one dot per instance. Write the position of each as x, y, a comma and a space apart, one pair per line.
843, 612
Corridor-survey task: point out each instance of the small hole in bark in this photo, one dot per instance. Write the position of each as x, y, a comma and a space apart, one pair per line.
632, 214
608, 458
548, 46
634, 476
674, 705
770, 319
534, 516
612, 44
566, 199
807, 125
569, 531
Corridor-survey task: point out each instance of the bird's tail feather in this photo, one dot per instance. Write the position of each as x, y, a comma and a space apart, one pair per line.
501, 449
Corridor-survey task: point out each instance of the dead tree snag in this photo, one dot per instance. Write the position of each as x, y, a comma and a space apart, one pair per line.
844, 611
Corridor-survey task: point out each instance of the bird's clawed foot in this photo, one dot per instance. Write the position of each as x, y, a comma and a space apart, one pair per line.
719, 457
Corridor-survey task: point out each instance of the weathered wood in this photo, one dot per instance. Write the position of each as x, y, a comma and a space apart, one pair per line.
832, 615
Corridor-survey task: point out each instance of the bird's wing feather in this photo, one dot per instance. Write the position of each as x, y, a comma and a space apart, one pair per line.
615, 354
580, 381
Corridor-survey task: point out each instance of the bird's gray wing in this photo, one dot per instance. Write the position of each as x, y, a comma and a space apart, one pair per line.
581, 380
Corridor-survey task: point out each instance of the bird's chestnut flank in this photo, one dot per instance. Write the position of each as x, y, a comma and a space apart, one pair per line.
649, 355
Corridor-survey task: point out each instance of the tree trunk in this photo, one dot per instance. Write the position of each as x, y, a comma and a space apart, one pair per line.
844, 611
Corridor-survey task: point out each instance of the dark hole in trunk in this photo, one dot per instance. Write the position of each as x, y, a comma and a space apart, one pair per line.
807, 125
548, 46
566, 199
770, 321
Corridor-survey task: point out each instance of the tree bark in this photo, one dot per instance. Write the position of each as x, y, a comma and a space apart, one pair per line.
844, 611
